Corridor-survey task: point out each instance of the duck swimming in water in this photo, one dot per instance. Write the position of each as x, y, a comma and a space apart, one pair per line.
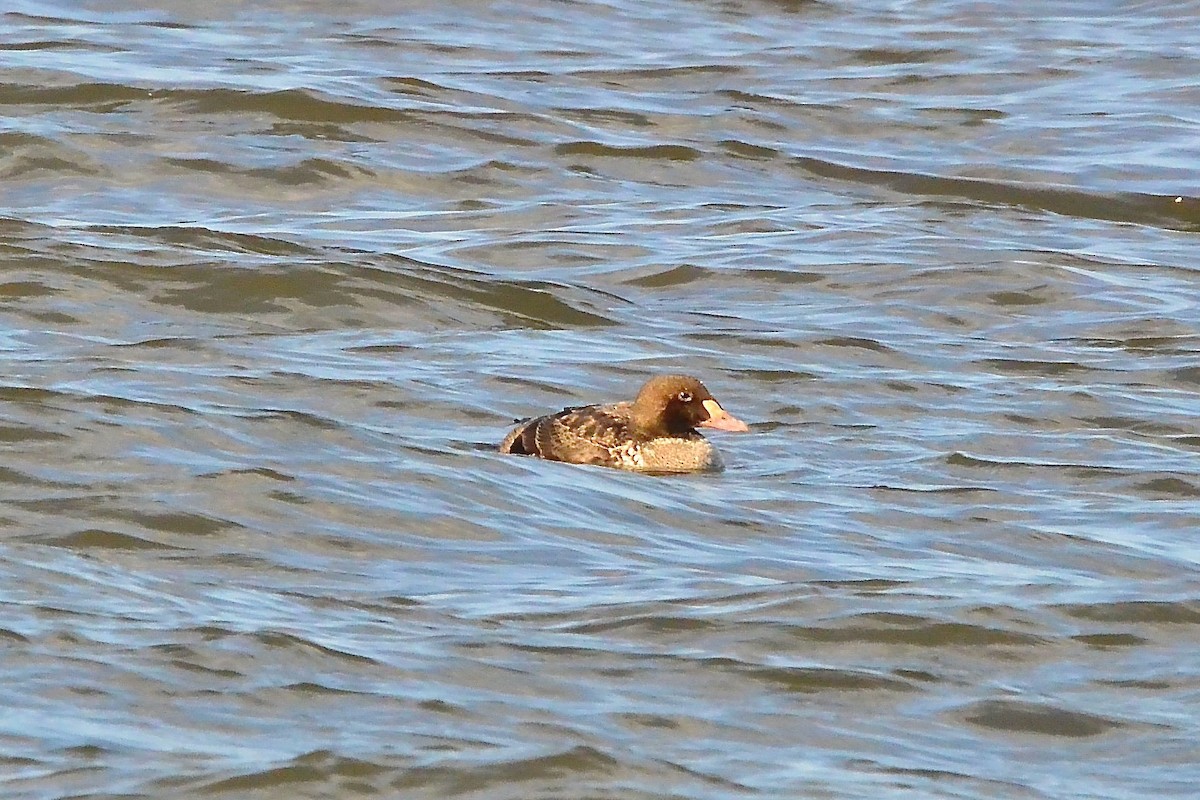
656, 432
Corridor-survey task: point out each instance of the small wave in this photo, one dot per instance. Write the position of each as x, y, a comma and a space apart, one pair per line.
304, 172
26, 156
1137, 612
108, 95
1018, 716
280, 640
899, 629
199, 237
666, 152
100, 539
1172, 212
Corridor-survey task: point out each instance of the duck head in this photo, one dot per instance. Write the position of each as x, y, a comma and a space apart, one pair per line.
677, 404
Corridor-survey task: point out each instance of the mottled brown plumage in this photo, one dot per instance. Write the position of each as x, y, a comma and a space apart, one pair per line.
656, 432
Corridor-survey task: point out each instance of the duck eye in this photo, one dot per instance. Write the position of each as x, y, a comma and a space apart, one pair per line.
685, 397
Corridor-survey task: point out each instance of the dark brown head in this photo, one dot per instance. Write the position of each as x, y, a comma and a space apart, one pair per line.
677, 404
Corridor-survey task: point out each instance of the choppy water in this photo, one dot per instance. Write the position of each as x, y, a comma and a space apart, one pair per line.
276, 278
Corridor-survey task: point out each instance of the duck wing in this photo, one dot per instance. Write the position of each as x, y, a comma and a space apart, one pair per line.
580, 435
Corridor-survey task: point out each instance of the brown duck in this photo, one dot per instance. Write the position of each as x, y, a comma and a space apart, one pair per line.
654, 433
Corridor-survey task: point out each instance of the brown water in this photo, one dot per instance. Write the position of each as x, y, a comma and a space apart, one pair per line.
276, 280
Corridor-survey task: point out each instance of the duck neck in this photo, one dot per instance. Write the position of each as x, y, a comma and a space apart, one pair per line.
650, 421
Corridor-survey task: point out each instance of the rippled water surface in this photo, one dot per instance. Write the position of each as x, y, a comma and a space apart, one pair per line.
278, 276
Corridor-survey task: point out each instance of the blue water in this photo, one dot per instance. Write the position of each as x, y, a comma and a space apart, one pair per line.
279, 278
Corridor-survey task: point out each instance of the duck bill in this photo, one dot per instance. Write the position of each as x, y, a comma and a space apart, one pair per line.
722, 420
